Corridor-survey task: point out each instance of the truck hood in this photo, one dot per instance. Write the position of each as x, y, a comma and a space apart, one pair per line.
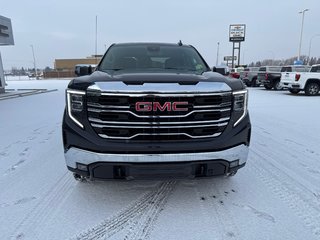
156, 82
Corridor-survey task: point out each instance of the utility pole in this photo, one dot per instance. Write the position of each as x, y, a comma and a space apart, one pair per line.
96, 47
317, 35
217, 61
303, 12
34, 62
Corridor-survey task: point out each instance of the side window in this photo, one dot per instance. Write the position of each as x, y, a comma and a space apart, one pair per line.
315, 69
274, 69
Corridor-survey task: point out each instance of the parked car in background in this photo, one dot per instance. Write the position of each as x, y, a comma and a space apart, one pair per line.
223, 70
309, 82
249, 76
270, 76
235, 72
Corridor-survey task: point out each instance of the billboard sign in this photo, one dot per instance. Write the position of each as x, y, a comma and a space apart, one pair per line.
237, 32
6, 35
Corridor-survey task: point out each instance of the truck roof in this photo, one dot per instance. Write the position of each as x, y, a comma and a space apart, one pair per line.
148, 43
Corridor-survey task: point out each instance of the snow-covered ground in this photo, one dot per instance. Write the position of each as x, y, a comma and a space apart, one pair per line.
276, 196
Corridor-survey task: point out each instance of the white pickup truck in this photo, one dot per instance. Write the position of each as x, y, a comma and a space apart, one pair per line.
309, 82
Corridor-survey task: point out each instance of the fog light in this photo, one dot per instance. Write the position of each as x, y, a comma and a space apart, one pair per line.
234, 163
82, 167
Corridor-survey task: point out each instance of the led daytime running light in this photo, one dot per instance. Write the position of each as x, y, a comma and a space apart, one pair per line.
69, 102
245, 102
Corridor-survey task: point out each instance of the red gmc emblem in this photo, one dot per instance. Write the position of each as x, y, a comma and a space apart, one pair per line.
167, 106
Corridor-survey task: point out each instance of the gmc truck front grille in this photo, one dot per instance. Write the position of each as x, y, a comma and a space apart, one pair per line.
158, 116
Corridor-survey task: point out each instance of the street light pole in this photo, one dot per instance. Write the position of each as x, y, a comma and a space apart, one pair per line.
316, 35
299, 54
273, 57
217, 61
34, 62
96, 40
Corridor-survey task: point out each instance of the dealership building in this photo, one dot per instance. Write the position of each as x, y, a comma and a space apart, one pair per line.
64, 68
69, 64
6, 38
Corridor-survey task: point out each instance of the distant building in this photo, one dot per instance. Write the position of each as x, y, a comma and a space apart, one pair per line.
64, 68
69, 64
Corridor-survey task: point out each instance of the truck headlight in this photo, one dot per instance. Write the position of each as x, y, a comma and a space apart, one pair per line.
240, 103
75, 105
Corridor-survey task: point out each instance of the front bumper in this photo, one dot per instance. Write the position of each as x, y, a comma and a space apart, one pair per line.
174, 165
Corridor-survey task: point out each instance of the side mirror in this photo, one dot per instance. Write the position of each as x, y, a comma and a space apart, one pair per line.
214, 69
84, 70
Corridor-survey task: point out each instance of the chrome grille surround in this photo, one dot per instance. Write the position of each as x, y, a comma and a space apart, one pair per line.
112, 114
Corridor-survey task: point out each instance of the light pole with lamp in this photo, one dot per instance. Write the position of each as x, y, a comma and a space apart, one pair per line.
303, 12
316, 35
34, 62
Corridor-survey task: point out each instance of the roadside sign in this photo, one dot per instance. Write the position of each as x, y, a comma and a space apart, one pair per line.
229, 58
6, 35
237, 32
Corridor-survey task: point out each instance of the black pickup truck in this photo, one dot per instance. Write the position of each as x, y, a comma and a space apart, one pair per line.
154, 110
270, 77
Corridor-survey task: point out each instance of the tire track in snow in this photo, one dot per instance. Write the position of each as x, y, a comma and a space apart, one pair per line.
286, 147
144, 228
44, 208
288, 190
302, 159
150, 203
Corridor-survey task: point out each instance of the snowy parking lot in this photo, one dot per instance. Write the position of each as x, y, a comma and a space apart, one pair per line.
275, 196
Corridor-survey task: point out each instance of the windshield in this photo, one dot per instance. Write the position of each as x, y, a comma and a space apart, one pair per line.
152, 57
286, 69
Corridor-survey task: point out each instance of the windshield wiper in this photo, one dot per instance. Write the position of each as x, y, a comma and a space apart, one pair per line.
185, 69
114, 69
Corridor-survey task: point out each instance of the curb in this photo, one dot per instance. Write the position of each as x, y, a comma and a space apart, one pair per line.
12, 93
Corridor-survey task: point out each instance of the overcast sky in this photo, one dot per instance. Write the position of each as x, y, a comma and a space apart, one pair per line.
66, 29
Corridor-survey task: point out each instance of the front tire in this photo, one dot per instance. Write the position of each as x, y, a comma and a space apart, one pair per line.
312, 89
254, 82
294, 91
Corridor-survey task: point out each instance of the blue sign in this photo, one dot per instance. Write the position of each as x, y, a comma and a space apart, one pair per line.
298, 62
